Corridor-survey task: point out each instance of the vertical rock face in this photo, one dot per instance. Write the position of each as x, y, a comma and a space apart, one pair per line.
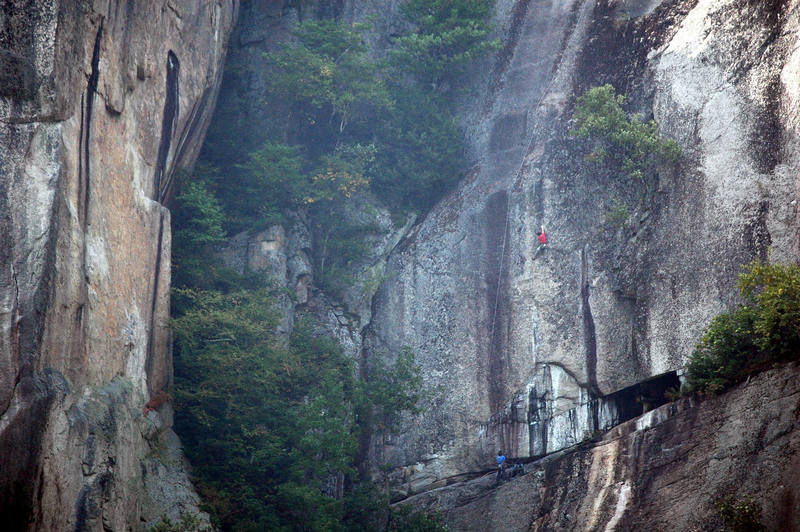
101, 104
285, 255
665, 470
521, 337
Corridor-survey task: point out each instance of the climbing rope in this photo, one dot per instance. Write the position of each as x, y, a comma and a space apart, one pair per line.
529, 143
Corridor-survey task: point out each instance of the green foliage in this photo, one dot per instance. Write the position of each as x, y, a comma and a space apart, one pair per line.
626, 142
277, 177
342, 173
187, 523
265, 426
617, 214
723, 352
740, 514
340, 245
447, 35
420, 150
272, 179
775, 290
405, 519
765, 330
338, 124
328, 81
389, 391
197, 219
269, 425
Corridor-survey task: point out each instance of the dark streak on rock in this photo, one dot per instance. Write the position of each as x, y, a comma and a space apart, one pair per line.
538, 121
91, 91
537, 419
756, 233
154, 304
81, 510
507, 53
589, 338
21, 440
616, 47
538, 200
81, 142
365, 435
168, 118
193, 122
16, 352
496, 271
767, 136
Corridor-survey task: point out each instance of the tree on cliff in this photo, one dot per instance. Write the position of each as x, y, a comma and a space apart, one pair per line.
332, 102
327, 84
762, 331
446, 36
626, 142
273, 429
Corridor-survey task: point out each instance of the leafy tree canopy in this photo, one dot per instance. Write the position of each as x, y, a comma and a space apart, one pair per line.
329, 82
763, 331
446, 36
272, 427
626, 141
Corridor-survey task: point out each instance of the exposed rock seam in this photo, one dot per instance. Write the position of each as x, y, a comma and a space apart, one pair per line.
154, 303
84, 173
497, 212
15, 350
507, 53
192, 123
770, 13
91, 90
531, 140
15, 340
589, 337
365, 437
169, 116
759, 232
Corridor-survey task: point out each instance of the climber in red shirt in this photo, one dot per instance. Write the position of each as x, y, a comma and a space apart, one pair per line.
542, 242
542, 237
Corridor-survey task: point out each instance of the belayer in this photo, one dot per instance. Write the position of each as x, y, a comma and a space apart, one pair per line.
501, 463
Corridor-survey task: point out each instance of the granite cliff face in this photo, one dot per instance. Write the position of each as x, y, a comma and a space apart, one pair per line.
284, 255
525, 340
663, 471
535, 349
101, 105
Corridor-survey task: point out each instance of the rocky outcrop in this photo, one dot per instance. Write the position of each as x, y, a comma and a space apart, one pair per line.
283, 256
102, 104
665, 470
518, 335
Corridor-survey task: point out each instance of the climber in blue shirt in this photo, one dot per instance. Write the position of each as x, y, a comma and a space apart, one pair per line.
501, 464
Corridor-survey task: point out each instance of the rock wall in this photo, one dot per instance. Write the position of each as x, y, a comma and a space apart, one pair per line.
102, 104
285, 254
518, 335
663, 471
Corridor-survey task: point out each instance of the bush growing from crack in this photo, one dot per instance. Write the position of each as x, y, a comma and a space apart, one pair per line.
740, 514
617, 214
763, 331
624, 141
